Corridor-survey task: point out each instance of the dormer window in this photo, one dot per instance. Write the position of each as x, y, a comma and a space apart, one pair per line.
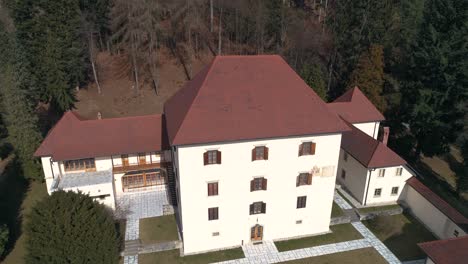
307, 148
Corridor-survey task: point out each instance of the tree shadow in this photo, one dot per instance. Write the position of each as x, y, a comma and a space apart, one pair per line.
13, 189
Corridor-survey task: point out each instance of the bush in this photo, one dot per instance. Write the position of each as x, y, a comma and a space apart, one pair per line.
69, 227
3, 238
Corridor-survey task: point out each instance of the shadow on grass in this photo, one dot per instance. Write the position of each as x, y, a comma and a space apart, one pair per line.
13, 188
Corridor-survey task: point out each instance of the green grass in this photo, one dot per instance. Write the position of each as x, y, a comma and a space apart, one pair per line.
158, 229
336, 210
340, 233
400, 233
172, 257
359, 256
379, 208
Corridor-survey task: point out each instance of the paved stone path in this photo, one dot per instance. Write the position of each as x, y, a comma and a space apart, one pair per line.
341, 202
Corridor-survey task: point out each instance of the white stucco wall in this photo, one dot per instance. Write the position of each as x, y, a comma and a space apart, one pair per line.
234, 176
370, 128
429, 215
386, 183
356, 176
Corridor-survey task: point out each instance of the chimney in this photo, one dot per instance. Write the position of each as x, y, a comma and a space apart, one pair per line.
99, 115
386, 133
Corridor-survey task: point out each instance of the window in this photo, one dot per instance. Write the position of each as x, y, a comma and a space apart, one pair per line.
345, 156
343, 174
301, 202
304, 179
399, 171
307, 148
377, 192
141, 158
258, 184
213, 213
260, 153
81, 164
381, 172
257, 208
212, 189
456, 233
142, 180
298, 222
394, 190
212, 157
215, 234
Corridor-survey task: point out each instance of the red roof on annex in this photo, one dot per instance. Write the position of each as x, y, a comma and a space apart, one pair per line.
246, 97
75, 138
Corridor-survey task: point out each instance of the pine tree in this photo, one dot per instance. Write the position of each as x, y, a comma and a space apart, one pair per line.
69, 227
3, 237
313, 76
436, 81
369, 75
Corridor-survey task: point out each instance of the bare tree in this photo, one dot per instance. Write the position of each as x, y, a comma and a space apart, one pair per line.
92, 59
219, 30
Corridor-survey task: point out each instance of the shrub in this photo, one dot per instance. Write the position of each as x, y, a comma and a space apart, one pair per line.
69, 227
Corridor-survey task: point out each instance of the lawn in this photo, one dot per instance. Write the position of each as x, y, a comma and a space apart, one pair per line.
336, 211
359, 256
340, 233
400, 233
379, 208
158, 229
172, 257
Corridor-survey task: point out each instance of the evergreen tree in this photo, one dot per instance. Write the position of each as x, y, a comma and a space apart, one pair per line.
313, 76
462, 181
3, 238
369, 75
69, 227
17, 112
436, 81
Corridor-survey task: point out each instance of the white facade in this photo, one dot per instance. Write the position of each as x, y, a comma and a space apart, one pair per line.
429, 215
282, 219
362, 182
370, 128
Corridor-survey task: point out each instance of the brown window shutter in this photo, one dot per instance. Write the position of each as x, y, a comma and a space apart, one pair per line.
209, 190
263, 208
264, 184
215, 189
300, 150
265, 153
297, 180
205, 158
312, 148
309, 179
251, 209
253, 154
218, 157
252, 182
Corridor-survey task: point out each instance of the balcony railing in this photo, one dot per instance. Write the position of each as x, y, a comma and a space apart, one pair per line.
135, 167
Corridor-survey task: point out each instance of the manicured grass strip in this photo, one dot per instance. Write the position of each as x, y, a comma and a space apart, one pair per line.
400, 233
340, 233
172, 257
358, 256
379, 208
158, 229
336, 210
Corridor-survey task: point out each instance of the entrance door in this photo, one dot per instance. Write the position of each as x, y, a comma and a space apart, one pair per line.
256, 233
124, 160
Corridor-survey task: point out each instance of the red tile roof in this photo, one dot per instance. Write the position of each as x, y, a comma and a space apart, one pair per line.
368, 151
246, 97
439, 203
447, 251
75, 138
354, 106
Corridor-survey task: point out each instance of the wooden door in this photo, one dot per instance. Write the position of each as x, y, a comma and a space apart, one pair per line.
124, 160
141, 158
256, 233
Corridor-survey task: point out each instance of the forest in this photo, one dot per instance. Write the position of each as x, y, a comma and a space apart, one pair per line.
409, 57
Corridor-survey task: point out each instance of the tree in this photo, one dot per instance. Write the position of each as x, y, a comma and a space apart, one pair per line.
436, 79
3, 237
369, 75
462, 181
313, 76
69, 227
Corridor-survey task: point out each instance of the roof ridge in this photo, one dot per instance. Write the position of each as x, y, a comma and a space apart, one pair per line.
119, 118
210, 68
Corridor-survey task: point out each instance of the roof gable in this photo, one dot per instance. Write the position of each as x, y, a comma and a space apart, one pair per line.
246, 97
75, 138
354, 106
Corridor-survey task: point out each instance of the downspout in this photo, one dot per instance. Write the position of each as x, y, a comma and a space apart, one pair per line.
375, 125
52, 167
368, 184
